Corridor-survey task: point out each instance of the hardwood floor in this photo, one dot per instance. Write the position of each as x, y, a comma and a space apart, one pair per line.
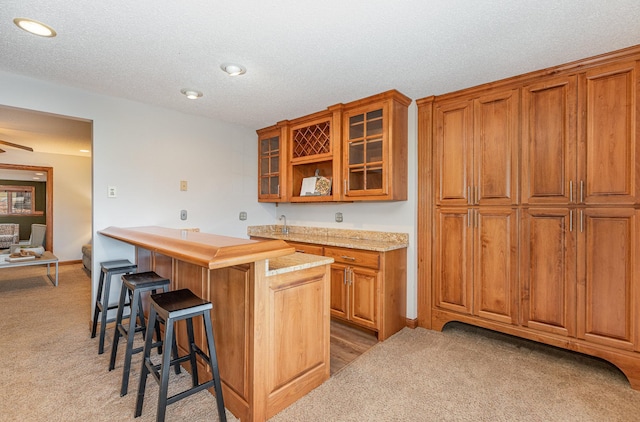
347, 343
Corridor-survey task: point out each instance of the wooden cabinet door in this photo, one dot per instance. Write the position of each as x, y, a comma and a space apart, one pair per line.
549, 142
548, 269
608, 286
453, 287
271, 166
339, 291
495, 275
363, 296
495, 151
453, 159
608, 163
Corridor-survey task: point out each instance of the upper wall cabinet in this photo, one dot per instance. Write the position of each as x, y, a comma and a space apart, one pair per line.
359, 148
314, 151
375, 148
271, 164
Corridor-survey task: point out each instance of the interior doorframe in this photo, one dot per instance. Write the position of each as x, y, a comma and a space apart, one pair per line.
48, 245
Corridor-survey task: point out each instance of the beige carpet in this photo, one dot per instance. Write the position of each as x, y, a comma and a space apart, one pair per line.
51, 371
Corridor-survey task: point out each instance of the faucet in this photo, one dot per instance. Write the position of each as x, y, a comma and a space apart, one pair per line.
285, 229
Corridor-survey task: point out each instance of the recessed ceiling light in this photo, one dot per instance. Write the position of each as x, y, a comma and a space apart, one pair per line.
35, 27
191, 94
233, 69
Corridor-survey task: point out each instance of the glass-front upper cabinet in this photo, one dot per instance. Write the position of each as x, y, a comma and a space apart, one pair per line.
270, 164
375, 148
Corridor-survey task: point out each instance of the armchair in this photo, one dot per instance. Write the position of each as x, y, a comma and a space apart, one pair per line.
9, 234
38, 232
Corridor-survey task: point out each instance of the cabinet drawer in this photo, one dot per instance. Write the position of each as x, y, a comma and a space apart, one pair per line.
370, 259
307, 248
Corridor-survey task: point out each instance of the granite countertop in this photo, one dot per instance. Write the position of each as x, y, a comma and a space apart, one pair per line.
295, 262
353, 239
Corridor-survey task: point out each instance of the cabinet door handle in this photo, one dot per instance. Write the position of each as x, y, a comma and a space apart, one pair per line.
581, 221
571, 220
469, 217
570, 190
344, 277
582, 191
348, 258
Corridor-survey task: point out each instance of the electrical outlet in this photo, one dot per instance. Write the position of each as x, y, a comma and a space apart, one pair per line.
338, 217
243, 215
112, 192
183, 185
183, 215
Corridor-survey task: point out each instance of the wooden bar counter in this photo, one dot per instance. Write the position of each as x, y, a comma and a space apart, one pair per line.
270, 311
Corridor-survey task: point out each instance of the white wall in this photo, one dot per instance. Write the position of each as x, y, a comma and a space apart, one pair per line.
71, 201
145, 151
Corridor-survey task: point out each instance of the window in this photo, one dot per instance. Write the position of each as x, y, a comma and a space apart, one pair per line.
18, 200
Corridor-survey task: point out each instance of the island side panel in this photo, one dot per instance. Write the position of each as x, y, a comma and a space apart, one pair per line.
299, 335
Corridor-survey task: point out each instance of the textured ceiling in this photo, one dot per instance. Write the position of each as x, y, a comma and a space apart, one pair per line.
302, 56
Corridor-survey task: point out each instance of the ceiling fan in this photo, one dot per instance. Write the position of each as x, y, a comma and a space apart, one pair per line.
11, 144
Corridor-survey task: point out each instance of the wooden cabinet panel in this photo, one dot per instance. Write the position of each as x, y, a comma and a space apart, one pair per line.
609, 107
454, 153
453, 260
608, 290
495, 148
271, 164
361, 258
339, 291
548, 270
476, 148
549, 142
495, 279
307, 248
364, 285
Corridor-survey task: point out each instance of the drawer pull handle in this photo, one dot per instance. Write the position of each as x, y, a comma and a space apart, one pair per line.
350, 258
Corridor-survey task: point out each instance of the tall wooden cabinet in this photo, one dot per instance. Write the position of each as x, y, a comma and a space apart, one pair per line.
535, 204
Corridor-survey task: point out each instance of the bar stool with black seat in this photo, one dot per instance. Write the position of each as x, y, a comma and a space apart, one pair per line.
171, 307
102, 307
134, 285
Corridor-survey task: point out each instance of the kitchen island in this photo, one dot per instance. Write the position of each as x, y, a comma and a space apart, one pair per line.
270, 311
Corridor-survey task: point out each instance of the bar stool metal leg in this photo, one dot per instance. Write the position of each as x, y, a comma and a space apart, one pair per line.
107, 270
213, 363
171, 307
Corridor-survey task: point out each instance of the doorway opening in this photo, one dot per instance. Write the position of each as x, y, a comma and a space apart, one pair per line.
48, 171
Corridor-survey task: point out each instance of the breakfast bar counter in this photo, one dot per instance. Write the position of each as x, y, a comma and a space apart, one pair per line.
270, 311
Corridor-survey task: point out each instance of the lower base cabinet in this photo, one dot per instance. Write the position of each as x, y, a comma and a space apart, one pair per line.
579, 283
368, 288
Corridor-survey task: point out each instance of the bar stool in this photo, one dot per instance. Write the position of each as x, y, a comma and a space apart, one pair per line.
134, 285
108, 269
171, 307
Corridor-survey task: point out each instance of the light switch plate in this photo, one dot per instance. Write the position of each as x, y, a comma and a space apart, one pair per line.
183, 214
183, 185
